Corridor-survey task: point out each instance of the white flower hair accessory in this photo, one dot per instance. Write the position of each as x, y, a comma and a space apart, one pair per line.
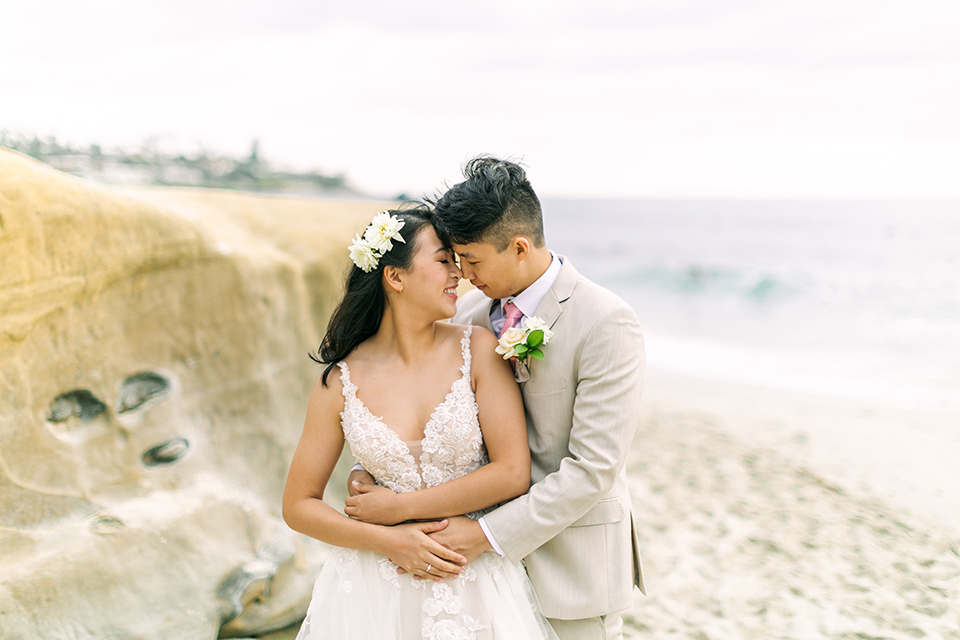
379, 237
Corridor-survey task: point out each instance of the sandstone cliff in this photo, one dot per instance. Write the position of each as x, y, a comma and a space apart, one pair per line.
153, 382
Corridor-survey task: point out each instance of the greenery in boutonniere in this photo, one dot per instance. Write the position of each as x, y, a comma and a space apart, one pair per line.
525, 342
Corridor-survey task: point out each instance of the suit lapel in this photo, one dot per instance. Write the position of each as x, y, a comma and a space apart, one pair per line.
550, 307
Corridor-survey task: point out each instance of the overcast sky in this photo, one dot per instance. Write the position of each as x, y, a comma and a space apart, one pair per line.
676, 98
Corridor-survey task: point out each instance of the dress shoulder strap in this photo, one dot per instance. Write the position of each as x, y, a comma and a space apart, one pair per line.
349, 389
465, 350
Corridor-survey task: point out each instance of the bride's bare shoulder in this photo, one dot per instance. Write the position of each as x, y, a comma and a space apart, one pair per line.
326, 400
329, 384
479, 335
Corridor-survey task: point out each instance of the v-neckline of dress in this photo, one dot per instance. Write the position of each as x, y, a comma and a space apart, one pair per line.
345, 372
350, 391
423, 462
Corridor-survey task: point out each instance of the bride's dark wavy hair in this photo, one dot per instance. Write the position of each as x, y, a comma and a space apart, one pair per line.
360, 311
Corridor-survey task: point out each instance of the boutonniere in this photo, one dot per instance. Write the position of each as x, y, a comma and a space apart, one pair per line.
522, 343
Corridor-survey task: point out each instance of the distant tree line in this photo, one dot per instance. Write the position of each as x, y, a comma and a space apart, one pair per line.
151, 166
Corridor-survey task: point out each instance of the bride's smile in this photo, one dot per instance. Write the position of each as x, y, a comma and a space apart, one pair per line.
429, 287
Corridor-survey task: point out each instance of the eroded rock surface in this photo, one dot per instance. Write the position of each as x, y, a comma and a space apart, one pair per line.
153, 382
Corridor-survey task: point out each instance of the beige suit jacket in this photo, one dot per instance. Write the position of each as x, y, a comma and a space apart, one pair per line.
574, 528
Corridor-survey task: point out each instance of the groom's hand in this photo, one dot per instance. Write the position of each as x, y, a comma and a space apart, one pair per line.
464, 536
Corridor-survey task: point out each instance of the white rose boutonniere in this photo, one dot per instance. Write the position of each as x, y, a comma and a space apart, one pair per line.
525, 342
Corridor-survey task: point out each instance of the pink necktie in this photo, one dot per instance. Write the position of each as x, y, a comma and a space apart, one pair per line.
512, 314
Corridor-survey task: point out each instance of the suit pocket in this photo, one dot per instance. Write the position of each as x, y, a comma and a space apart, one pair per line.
537, 387
607, 511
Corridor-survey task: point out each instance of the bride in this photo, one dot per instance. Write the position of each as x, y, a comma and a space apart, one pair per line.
433, 412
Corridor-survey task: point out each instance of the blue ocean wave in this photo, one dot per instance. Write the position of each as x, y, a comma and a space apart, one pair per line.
694, 280
872, 282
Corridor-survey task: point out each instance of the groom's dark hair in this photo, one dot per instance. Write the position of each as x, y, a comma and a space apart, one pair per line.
494, 204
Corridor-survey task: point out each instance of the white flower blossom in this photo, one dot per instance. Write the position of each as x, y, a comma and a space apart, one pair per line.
511, 338
382, 231
514, 344
534, 323
363, 254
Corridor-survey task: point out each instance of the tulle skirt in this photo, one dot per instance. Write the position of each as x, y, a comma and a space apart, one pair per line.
359, 596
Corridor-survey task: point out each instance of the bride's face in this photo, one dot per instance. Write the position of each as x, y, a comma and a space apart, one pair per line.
431, 281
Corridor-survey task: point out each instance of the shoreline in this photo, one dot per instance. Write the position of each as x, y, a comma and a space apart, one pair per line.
772, 514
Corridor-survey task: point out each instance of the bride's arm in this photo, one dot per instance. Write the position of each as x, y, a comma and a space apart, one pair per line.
505, 435
304, 510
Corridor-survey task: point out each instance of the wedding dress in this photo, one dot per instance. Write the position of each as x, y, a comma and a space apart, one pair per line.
359, 595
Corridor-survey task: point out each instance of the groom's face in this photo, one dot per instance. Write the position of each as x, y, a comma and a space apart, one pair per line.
495, 273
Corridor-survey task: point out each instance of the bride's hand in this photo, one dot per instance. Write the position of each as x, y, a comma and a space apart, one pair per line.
417, 553
374, 504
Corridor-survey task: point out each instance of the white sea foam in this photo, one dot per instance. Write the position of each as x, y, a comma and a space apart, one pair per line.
812, 371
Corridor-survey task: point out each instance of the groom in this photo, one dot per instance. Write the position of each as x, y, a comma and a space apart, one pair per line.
574, 529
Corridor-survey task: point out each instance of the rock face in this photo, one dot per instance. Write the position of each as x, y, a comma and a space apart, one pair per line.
153, 381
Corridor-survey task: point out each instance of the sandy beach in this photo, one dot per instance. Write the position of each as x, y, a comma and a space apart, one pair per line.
766, 514
771, 515
761, 513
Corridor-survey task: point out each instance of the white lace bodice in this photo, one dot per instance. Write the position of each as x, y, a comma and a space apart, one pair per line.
452, 444
360, 594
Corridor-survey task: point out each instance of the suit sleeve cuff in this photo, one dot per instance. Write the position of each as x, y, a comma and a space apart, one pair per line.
490, 538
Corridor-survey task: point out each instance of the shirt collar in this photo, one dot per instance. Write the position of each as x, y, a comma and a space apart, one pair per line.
529, 299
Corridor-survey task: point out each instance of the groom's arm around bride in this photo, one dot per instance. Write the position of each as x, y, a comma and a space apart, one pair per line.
574, 529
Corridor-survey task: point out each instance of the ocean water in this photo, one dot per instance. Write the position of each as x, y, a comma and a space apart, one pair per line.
853, 299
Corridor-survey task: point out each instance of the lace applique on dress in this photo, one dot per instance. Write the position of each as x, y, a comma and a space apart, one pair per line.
359, 594
443, 629
469, 575
343, 563
448, 605
452, 444
374, 444
452, 441
388, 571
